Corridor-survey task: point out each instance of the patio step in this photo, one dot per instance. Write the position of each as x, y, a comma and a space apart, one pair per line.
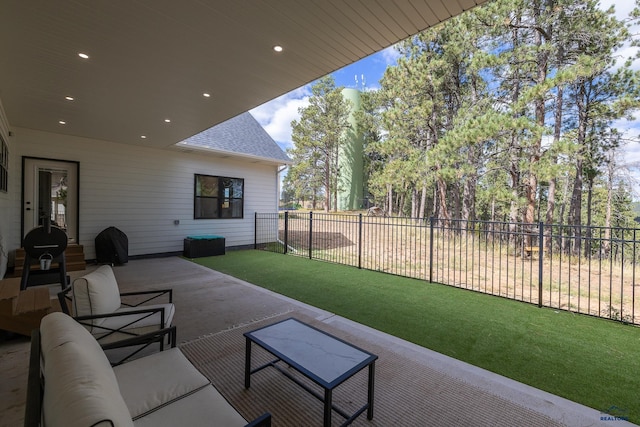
21, 311
74, 260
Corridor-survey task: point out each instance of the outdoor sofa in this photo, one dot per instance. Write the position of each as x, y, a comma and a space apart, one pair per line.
71, 383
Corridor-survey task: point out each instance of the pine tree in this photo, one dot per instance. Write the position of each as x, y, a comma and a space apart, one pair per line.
317, 136
505, 109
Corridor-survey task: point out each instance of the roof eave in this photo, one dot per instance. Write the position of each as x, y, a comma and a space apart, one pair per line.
187, 148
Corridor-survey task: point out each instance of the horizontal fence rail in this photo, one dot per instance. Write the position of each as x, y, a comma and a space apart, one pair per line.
588, 270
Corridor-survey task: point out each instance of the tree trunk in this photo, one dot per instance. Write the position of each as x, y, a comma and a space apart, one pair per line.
442, 196
469, 196
327, 185
414, 202
471, 181
436, 204
513, 211
457, 203
551, 197
423, 202
562, 241
575, 210
531, 190
493, 209
587, 240
606, 244
515, 143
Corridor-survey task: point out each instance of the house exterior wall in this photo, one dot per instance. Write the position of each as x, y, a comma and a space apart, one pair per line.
7, 205
141, 191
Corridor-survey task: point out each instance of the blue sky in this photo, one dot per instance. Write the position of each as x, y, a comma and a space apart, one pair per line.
366, 73
276, 116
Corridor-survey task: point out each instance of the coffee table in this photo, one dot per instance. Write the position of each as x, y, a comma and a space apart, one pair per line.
324, 359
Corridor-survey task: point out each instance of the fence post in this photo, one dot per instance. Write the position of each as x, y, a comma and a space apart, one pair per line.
431, 221
255, 230
540, 259
360, 240
286, 232
310, 235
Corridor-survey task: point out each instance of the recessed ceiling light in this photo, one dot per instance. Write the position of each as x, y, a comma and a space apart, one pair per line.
69, 98
62, 122
143, 136
277, 48
206, 95
167, 120
83, 55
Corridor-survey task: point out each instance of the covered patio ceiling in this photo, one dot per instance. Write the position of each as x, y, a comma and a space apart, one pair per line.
151, 62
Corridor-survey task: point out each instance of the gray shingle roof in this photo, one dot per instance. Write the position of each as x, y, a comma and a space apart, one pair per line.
242, 135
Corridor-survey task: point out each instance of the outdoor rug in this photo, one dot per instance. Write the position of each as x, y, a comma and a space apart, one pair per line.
407, 393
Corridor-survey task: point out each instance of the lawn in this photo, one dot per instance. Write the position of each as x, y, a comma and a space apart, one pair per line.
588, 360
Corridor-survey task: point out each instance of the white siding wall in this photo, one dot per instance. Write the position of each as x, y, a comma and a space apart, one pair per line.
9, 204
141, 191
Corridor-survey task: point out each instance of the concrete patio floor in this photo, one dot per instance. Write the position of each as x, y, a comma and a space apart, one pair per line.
208, 301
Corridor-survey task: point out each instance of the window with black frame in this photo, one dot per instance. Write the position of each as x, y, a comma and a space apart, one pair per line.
4, 165
218, 197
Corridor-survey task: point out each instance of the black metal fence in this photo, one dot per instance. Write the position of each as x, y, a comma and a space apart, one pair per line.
589, 270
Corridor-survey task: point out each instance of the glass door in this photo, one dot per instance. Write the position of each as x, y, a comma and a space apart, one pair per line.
50, 190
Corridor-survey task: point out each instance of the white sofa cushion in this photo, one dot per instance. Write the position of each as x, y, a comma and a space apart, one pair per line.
155, 380
204, 408
81, 387
96, 293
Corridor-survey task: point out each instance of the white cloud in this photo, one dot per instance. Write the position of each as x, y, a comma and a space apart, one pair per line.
390, 55
276, 116
622, 8
632, 154
624, 53
622, 11
629, 157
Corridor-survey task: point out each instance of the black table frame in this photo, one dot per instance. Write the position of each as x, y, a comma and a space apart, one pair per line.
328, 387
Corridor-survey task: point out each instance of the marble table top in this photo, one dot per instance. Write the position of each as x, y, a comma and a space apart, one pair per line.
324, 358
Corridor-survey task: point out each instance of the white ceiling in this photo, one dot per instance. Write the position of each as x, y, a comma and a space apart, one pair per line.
152, 60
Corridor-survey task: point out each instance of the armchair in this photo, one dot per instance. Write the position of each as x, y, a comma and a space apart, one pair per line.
94, 300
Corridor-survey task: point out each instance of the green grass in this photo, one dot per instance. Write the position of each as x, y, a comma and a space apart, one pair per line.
591, 361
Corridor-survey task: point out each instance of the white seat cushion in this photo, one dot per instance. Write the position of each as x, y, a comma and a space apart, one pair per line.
155, 380
169, 311
204, 408
138, 323
96, 293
